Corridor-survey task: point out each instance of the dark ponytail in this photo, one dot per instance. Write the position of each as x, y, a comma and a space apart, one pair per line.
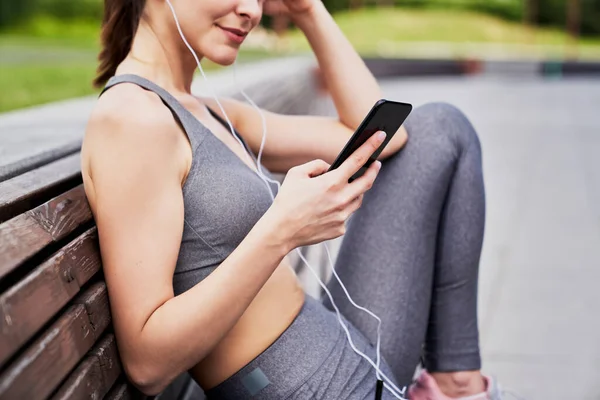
121, 19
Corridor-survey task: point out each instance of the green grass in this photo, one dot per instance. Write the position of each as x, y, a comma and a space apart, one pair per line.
47, 60
443, 33
26, 85
47, 31
36, 75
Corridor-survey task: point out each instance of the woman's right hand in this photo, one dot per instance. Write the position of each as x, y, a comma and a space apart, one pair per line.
312, 206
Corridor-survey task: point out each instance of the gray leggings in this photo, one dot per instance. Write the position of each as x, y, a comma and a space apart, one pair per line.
411, 255
411, 252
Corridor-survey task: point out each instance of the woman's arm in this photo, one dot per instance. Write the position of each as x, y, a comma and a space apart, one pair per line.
293, 140
136, 172
353, 88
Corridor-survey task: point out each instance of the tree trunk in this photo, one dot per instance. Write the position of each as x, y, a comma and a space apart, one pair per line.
354, 4
573, 27
531, 12
574, 17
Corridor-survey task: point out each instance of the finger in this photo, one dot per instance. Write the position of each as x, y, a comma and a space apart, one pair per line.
361, 155
360, 185
355, 204
312, 168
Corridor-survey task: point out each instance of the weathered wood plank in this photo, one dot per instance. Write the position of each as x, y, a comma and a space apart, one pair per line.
37, 372
28, 305
95, 301
95, 375
25, 235
83, 383
84, 256
25, 191
61, 215
24, 165
107, 354
39, 369
20, 238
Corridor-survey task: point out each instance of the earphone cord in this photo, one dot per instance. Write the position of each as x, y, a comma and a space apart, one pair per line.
381, 377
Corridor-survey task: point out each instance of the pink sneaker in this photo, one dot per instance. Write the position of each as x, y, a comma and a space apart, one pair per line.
426, 388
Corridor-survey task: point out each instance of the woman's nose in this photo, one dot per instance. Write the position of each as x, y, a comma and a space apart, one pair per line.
250, 8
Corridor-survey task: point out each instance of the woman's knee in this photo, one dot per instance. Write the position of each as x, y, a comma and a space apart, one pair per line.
442, 125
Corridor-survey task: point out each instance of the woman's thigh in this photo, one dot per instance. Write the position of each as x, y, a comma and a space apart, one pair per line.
345, 374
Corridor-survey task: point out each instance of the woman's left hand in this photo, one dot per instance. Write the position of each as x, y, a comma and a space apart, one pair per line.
291, 8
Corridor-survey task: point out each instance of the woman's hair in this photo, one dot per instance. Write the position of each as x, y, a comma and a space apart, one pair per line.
121, 19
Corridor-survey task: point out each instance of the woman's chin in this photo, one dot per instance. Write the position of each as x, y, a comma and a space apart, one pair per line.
224, 58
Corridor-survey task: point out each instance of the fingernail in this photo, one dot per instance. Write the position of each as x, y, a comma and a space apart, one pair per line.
378, 163
381, 135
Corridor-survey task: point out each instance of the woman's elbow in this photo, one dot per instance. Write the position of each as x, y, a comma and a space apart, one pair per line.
146, 379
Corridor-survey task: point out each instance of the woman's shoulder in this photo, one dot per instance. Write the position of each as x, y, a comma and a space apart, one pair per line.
127, 118
129, 112
128, 105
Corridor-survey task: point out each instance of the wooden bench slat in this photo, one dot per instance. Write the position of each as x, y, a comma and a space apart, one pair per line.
35, 374
61, 215
84, 383
20, 193
95, 375
107, 354
45, 363
20, 238
95, 301
25, 235
32, 302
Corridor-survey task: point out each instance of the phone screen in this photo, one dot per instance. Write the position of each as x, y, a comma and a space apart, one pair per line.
385, 116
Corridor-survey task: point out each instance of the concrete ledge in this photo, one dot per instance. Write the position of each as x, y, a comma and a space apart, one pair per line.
390, 67
394, 67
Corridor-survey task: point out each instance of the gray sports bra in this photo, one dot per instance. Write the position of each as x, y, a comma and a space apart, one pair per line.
223, 197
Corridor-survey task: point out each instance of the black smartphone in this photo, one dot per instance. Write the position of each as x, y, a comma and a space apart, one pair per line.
387, 116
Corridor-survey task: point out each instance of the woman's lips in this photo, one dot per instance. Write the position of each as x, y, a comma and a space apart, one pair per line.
235, 35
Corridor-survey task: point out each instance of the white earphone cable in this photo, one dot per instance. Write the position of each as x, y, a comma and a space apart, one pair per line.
388, 384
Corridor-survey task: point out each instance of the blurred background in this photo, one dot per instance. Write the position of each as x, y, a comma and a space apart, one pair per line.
48, 48
528, 78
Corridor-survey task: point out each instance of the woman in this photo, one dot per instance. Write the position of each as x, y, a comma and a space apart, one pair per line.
194, 253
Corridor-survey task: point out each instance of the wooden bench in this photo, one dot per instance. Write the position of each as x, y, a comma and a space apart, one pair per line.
57, 338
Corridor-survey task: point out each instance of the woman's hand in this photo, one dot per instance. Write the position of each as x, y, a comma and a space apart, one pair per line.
291, 8
312, 206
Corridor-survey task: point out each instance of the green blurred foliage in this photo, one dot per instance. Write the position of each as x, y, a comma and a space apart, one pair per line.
591, 16
70, 9
550, 12
553, 12
13, 12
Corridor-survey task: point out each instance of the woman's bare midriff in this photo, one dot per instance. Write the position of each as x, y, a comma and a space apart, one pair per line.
269, 314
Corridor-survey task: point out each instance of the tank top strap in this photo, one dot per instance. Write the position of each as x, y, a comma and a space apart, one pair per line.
235, 132
193, 128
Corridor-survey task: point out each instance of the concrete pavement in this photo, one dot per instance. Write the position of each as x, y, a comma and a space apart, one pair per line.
540, 270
